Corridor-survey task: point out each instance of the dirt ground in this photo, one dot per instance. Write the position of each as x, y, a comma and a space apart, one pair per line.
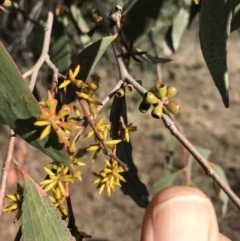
205, 122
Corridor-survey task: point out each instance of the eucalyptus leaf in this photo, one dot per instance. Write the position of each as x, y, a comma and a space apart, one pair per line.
41, 221
87, 59
78, 18
19, 110
133, 186
180, 23
59, 48
215, 25
166, 181
152, 60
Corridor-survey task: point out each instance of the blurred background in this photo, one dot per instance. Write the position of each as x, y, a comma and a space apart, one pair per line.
202, 118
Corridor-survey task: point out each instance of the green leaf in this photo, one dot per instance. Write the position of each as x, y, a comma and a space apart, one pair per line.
166, 181
215, 24
60, 49
133, 187
180, 23
204, 152
148, 15
151, 59
78, 18
90, 56
19, 110
40, 218
168, 163
221, 194
88, 59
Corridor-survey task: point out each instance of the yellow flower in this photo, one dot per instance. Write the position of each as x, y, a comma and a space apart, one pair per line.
17, 199
109, 177
72, 79
56, 176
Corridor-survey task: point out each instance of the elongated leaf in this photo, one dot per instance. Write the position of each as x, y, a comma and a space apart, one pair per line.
151, 59
78, 18
215, 24
133, 187
81, 24
180, 23
166, 181
88, 59
90, 56
41, 221
19, 110
222, 195
59, 48
143, 15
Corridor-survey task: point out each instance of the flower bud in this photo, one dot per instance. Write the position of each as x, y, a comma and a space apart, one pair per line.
93, 110
160, 90
128, 88
171, 91
120, 93
144, 107
150, 98
173, 107
157, 111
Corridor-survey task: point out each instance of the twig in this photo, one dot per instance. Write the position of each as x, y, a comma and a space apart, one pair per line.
19, 234
104, 102
159, 73
31, 20
5, 168
103, 144
110, 94
167, 121
44, 55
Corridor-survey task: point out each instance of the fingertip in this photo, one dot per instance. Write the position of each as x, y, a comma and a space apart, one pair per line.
180, 212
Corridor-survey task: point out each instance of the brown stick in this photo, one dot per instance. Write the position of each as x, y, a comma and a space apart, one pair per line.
5, 168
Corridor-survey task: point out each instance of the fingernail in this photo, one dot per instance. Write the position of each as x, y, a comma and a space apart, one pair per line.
184, 218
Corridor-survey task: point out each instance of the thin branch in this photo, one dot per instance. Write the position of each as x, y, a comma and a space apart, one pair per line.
104, 102
167, 121
19, 234
103, 144
5, 168
44, 55
31, 20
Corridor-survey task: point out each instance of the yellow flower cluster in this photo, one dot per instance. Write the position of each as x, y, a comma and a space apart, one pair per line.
52, 120
109, 177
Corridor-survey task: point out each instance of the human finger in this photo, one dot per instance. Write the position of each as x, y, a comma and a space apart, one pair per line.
180, 213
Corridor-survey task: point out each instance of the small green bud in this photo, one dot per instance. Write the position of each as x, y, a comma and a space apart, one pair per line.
157, 111
160, 90
120, 93
171, 91
150, 98
173, 107
144, 107
128, 88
